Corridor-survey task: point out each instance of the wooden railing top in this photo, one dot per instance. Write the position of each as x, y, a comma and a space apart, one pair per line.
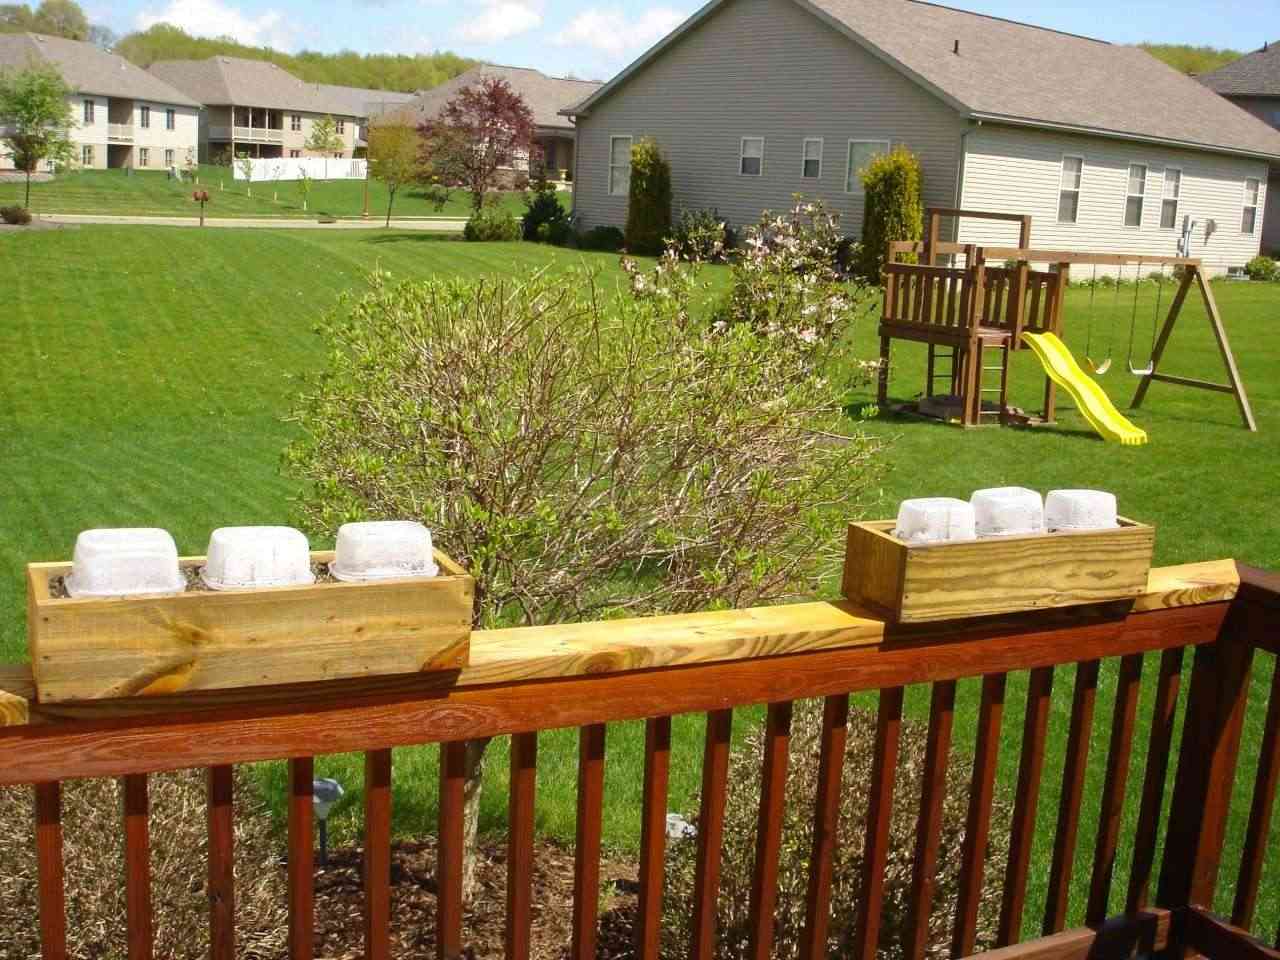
561, 651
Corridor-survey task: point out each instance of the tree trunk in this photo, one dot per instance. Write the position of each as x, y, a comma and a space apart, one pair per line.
391, 198
471, 814
26, 204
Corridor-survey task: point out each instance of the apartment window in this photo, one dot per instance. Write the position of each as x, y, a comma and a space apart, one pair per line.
168, 158
1249, 219
342, 128
88, 111
751, 156
1137, 191
86, 155
861, 153
295, 122
619, 166
170, 118
144, 157
1169, 196
811, 159
295, 153
1069, 189
144, 117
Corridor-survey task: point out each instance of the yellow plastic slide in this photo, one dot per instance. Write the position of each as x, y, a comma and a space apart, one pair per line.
1090, 399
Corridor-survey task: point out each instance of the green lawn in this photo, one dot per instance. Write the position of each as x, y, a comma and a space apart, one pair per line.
146, 371
151, 193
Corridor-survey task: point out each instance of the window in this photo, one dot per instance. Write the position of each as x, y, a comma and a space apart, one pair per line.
86, 155
1069, 189
811, 159
295, 153
619, 166
751, 156
1137, 191
144, 117
170, 118
88, 111
168, 158
1169, 195
861, 152
295, 122
1249, 219
144, 156
342, 127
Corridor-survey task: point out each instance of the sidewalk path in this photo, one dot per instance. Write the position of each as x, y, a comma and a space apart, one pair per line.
435, 224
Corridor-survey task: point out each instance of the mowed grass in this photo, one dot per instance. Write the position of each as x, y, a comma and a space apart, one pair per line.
152, 193
146, 372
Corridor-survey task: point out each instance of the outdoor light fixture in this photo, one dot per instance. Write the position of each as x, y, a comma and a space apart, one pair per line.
325, 792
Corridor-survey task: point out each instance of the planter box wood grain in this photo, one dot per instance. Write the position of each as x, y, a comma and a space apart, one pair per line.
90, 649
919, 583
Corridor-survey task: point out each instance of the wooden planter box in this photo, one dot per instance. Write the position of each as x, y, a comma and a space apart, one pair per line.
917, 583
91, 649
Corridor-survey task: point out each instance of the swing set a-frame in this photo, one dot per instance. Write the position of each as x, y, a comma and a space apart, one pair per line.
967, 313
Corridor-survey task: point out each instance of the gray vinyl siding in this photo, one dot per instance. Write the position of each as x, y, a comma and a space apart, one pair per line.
1014, 170
763, 68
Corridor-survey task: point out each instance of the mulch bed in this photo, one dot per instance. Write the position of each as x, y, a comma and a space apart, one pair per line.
340, 902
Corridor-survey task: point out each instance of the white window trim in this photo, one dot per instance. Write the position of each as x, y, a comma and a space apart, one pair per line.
610, 166
1062, 165
1177, 201
1146, 183
821, 149
742, 155
849, 187
1245, 205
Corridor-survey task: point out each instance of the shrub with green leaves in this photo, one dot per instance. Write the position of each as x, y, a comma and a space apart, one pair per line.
489, 224
15, 215
649, 201
607, 239
742, 809
702, 236
544, 209
1262, 268
892, 210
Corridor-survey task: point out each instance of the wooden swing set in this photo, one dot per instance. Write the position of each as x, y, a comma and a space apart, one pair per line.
966, 313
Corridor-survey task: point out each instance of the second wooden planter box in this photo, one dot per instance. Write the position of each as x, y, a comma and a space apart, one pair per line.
919, 583
89, 649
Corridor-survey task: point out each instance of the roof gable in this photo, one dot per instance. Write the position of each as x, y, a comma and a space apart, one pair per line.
1254, 75
546, 96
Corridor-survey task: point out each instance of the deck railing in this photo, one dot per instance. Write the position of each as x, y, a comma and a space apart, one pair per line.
1219, 617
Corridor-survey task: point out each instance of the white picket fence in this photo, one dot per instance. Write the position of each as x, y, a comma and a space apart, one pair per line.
271, 169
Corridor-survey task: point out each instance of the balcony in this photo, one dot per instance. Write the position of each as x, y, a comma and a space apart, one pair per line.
246, 134
120, 132
1223, 618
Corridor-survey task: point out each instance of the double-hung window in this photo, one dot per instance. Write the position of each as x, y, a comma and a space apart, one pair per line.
86, 155
1170, 193
861, 153
168, 158
88, 112
295, 122
811, 159
342, 127
1136, 192
619, 166
144, 117
170, 118
144, 157
1249, 218
751, 156
1069, 189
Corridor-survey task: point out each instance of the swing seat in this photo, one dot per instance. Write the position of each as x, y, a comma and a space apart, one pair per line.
1142, 371
1099, 368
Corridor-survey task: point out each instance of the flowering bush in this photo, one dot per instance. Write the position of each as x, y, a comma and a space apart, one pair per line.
702, 236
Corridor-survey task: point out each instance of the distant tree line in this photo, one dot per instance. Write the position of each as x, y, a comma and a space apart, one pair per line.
1189, 59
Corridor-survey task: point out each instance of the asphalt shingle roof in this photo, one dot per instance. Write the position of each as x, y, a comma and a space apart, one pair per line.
1254, 75
87, 68
545, 95
223, 80
364, 102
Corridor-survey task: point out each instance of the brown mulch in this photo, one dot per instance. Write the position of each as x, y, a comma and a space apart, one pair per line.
340, 900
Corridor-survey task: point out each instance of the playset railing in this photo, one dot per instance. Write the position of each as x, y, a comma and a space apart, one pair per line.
1218, 616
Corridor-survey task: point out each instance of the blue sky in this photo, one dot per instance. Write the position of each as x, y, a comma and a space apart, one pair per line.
595, 38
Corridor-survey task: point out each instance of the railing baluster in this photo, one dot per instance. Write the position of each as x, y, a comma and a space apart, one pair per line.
137, 867
1158, 749
653, 835
1026, 802
222, 897
706, 884
520, 817
764, 883
301, 859
377, 855
884, 773
451, 830
586, 862
978, 822
53, 895
1128, 686
1073, 774
929, 825
826, 820
1264, 793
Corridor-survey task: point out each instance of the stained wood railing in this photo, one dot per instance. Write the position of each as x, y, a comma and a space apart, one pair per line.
1213, 622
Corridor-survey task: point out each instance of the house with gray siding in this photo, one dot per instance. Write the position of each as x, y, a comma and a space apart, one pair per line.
1253, 84
754, 101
